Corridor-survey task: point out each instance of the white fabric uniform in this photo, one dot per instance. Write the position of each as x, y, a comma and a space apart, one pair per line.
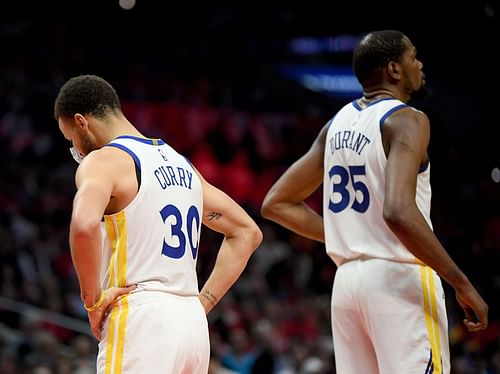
388, 309
161, 327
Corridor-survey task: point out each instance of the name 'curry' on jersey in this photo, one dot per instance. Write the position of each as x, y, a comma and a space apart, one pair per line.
169, 201
354, 185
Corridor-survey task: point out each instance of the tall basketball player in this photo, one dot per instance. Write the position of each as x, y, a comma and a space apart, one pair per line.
388, 307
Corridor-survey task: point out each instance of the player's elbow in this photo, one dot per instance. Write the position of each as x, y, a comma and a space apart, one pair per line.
266, 210
246, 239
395, 214
254, 237
270, 208
82, 227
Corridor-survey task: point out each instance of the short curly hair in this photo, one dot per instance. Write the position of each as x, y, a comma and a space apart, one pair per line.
86, 94
375, 51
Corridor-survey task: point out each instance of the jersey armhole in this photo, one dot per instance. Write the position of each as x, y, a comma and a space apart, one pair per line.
423, 167
389, 112
137, 162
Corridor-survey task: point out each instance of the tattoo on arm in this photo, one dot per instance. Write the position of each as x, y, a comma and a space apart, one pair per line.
214, 215
210, 297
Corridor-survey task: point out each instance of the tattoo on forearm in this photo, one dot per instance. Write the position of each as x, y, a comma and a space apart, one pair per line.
210, 297
214, 215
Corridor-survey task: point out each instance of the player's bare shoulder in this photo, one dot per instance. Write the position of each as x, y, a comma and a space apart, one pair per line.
113, 166
109, 160
407, 116
406, 126
408, 122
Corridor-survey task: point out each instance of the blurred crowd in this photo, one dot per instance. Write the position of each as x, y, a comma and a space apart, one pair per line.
276, 319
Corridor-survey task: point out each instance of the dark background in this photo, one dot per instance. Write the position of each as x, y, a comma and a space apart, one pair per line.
194, 72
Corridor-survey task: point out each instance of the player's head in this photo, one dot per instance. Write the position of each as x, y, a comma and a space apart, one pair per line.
388, 57
80, 100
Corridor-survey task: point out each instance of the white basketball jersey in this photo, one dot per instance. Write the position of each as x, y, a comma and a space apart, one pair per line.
354, 185
154, 241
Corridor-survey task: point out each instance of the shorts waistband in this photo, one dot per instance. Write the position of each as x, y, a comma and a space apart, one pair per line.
140, 296
367, 258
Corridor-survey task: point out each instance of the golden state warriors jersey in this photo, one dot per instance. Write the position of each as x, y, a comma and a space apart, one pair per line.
154, 241
354, 185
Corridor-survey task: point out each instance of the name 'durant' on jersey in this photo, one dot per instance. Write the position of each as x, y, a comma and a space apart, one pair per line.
173, 176
353, 140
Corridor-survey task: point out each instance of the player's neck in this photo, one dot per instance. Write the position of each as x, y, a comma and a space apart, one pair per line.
378, 94
121, 126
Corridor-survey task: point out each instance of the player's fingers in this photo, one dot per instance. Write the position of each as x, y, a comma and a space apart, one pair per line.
129, 288
474, 326
469, 314
95, 319
482, 315
96, 331
116, 292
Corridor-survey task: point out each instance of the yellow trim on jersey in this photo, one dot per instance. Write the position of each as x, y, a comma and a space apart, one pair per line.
431, 317
116, 337
110, 231
116, 229
121, 224
419, 262
155, 141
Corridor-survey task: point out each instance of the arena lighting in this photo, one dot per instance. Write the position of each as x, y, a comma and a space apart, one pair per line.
126, 4
495, 175
331, 80
320, 45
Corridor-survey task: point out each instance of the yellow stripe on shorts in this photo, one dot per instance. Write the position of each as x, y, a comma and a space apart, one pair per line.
431, 317
116, 337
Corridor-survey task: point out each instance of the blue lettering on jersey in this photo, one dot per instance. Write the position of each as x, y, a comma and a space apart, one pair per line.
169, 176
350, 140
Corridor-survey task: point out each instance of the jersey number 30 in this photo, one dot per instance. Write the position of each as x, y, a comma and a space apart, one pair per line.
340, 187
177, 232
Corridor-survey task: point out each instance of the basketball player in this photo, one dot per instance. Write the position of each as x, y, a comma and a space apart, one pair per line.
388, 307
135, 234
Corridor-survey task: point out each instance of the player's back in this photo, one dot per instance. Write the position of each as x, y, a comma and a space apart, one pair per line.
354, 185
153, 242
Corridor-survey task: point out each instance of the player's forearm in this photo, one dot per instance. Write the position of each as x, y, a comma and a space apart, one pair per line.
85, 243
297, 217
411, 228
232, 258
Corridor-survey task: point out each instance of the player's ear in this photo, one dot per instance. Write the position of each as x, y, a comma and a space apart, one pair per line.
81, 121
394, 70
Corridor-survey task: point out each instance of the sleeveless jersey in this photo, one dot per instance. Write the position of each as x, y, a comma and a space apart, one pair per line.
354, 185
153, 242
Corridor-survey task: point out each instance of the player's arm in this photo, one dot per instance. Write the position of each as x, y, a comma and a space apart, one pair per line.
284, 202
406, 137
94, 188
95, 181
241, 237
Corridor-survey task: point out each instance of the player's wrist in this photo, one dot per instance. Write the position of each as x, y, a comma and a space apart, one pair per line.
96, 303
458, 280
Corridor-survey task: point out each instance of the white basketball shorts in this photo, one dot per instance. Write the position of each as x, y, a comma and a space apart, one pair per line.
155, 332
389, 317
